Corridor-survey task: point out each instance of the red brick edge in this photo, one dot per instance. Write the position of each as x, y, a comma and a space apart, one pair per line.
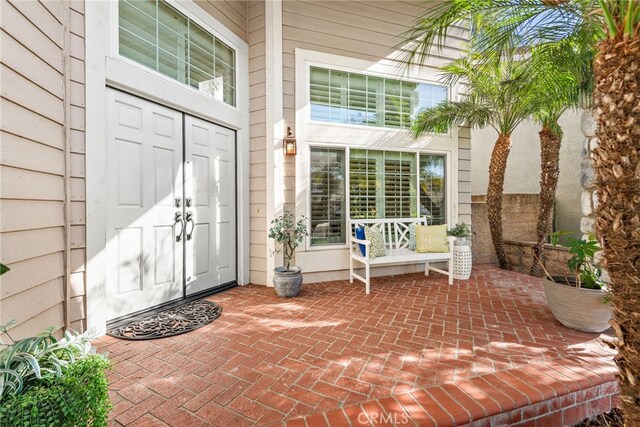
560, 392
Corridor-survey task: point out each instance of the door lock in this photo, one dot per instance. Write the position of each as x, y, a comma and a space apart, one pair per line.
188, 202
178, 219
178, 202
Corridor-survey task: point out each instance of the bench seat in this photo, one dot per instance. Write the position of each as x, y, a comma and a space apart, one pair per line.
395, 234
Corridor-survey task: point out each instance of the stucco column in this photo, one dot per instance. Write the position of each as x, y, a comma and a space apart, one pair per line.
589, 198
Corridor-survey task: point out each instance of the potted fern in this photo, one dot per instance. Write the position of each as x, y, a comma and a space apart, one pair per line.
580, 300
288, 234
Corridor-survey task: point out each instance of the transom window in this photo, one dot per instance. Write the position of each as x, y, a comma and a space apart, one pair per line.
343, 97
382, 184
154, 34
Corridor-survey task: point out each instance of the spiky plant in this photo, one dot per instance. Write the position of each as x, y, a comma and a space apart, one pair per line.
499, 95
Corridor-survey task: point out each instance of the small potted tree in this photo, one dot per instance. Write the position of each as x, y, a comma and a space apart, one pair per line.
288, 234
580, 301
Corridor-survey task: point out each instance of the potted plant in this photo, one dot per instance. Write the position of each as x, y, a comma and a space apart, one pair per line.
288, 234
461, 232
580, 301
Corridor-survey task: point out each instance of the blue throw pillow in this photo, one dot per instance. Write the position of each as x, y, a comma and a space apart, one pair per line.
360, 236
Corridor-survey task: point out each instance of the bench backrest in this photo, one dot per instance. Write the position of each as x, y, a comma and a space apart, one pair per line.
395, 231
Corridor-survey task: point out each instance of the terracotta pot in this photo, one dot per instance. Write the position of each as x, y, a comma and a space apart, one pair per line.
578, 308
287, 283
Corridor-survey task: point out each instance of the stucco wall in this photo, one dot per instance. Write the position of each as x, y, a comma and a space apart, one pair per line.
523, 166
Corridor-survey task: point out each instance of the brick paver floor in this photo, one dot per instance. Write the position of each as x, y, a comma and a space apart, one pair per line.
268, 359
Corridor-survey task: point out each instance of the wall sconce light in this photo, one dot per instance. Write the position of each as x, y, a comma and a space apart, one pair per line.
289, 143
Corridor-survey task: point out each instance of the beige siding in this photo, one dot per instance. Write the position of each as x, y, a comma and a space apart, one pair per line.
42, 189
257, 143
231, 13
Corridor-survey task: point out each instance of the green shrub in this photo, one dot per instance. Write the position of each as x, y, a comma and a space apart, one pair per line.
78, 397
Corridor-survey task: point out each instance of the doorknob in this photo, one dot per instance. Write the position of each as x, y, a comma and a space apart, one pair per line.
189, 219
178, 219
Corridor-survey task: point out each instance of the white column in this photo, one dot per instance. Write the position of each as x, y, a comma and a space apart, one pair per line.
274, 123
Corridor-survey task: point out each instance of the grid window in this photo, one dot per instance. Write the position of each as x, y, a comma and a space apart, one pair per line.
327, 196
382, 184
154, 34
343, 97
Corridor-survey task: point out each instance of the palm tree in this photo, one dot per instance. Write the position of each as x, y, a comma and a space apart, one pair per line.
499, 95
612, 27
561, 86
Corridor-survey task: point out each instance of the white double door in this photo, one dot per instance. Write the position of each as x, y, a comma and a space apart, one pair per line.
171, 211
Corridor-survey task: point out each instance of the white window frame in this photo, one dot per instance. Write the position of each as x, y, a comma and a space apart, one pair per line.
345, 136
347, 192
187, 9
341, 67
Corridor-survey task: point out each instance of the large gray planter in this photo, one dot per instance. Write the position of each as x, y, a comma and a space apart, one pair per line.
578, 308
287, 283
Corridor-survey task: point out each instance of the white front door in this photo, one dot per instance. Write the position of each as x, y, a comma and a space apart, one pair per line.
170, 205
144, 178
210, 190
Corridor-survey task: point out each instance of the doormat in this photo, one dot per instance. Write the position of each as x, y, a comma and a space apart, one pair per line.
175, 321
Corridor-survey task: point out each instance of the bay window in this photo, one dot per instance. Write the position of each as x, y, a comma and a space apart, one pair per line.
381, 184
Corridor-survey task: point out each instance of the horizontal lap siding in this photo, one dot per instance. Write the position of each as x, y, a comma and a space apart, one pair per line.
231, 13
42, 122
257, 143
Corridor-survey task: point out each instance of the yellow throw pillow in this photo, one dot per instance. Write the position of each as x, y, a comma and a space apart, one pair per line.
431, 238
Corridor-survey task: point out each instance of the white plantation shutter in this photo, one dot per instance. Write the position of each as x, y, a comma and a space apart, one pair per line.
343, 97
399, 185
362, 188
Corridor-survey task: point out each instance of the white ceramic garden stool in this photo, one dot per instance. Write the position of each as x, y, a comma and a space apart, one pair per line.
462, 262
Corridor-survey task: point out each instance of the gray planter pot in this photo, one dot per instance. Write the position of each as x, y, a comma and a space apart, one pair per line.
578, 308
287, 283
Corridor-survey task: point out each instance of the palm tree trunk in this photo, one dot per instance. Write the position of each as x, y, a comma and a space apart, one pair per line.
497, 168
550, 161
617, 165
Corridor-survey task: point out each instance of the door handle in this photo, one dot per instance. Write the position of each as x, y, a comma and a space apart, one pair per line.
178, 219
189, 219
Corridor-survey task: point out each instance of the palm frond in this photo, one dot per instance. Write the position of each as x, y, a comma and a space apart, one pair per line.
441, 117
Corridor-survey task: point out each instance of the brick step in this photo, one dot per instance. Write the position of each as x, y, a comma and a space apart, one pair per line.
559, 392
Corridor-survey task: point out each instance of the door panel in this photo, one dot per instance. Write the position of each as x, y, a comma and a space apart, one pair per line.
210, 182
144, 175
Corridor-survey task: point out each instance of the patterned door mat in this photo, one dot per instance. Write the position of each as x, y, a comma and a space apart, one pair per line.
175, 321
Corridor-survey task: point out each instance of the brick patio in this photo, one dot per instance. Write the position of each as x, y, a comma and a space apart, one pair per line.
485, 351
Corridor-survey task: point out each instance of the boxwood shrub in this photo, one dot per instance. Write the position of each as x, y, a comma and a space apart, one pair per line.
79, 397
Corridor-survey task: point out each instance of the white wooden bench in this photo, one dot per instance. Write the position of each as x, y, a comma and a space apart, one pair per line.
395, 233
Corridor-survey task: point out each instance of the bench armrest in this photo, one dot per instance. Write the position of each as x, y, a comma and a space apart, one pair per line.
354, 249
451, 239
360, 241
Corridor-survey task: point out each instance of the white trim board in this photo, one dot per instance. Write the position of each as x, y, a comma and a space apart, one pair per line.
104, 67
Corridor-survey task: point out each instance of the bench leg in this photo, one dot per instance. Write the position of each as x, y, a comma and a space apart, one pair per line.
450, 271
367, 278
426, 268
350, 270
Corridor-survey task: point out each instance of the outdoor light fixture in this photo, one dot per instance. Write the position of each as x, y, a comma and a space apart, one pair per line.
289, 143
